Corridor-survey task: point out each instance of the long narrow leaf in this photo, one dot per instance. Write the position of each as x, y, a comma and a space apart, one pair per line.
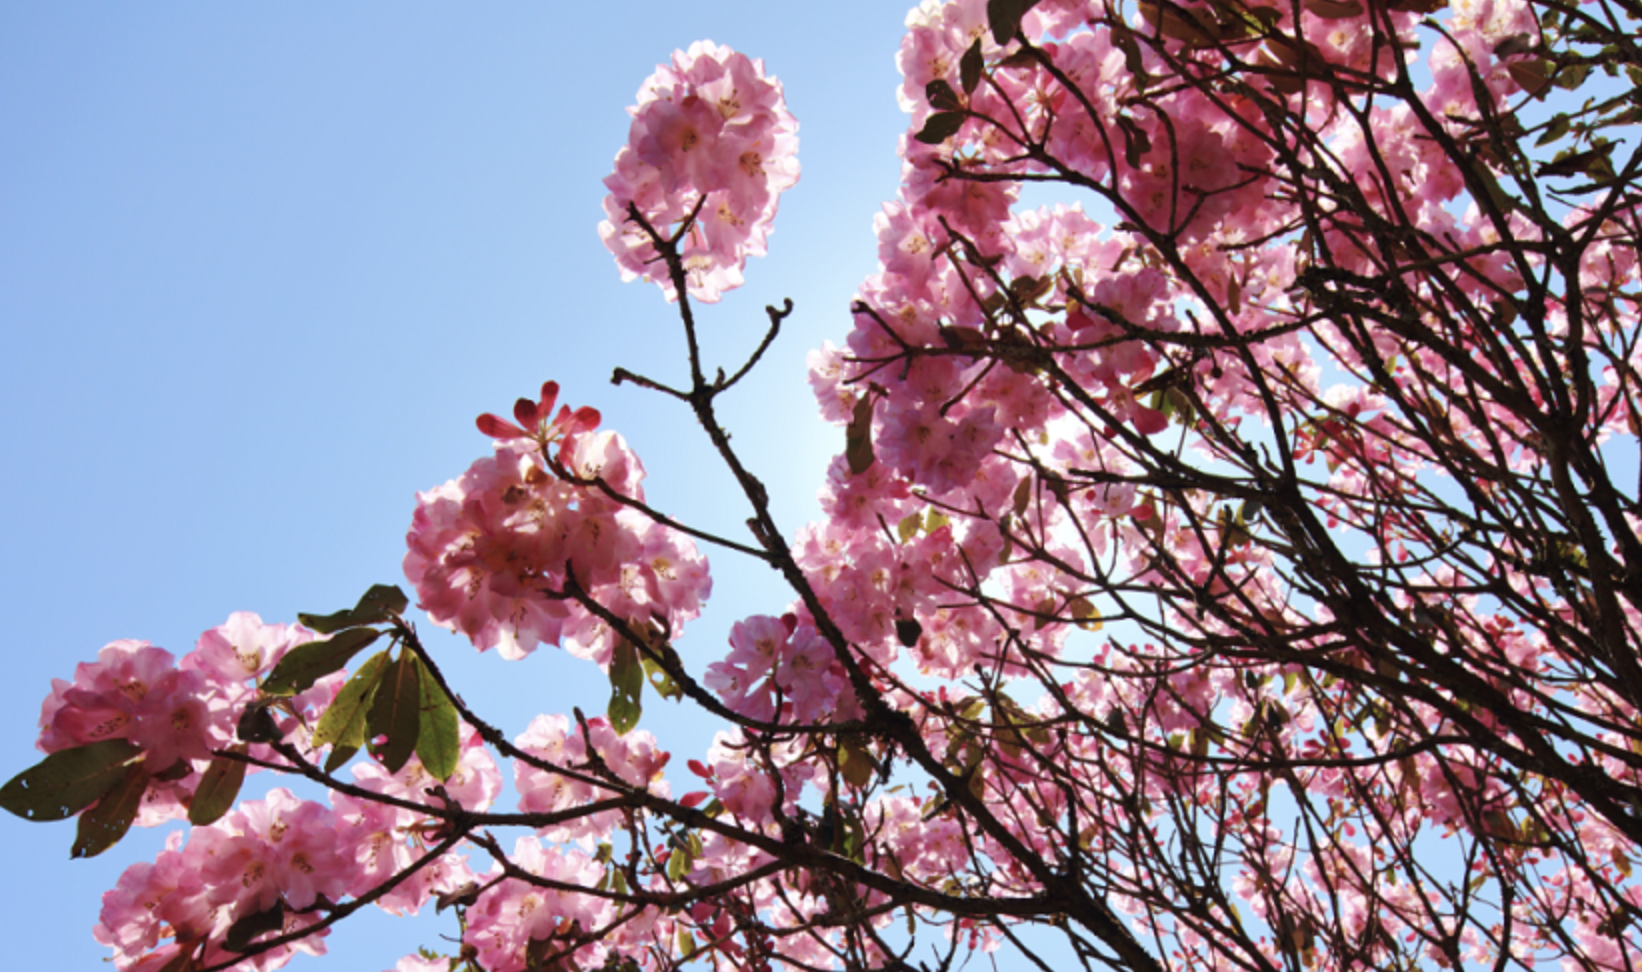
68, 781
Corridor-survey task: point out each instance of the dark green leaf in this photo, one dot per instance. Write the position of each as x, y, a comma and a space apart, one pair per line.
1533, 75
1490, 185
1572, 76
218, 790
536, 952
1591, 162
103, 825
940, 127
339, 757
969, 67
439, 741
176, 771
967, 338
1027, 289
908, 631
460, 897
856, 764
1135, 143
858, 438
306, 664
941, 96
256, 724
68, 781
344, 722
384, 597
241, 932
1023, 58
382, 602
626, 687
1004, 17
396, 711
327, 623
855, 840
1124, 38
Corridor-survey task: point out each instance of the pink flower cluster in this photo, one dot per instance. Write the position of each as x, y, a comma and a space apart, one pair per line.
289, 852
281, 851
281, 847
175, 713
711, 149
512, 914
777, 667
491, 554
635, 758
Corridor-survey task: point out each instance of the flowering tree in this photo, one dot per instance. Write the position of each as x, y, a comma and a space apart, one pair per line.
1246, 585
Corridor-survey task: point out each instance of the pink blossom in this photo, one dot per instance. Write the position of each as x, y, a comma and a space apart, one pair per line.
712, 147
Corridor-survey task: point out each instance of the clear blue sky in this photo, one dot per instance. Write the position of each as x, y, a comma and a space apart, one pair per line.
261, 265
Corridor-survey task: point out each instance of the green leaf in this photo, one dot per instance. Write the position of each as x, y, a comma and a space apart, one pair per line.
306, 664
103, 825
256, 724
384, 597
339, 757
218, 790
462, 897
179, 770
241, 932
855, 839
626, 688
1136, 143
969, 67
1572, 76
909, 526
908, 631
68, 781
1087, 615
439, 742
856, 765
344, 722
1593, 162
1490, 185
679, 861
941, 126
1124, 38
382, 602
1004, 17
1533, 75
1023, 495
661, 681
858, 438
396, 711
941, 96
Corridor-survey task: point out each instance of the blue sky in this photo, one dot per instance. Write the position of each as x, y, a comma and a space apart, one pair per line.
260, 267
